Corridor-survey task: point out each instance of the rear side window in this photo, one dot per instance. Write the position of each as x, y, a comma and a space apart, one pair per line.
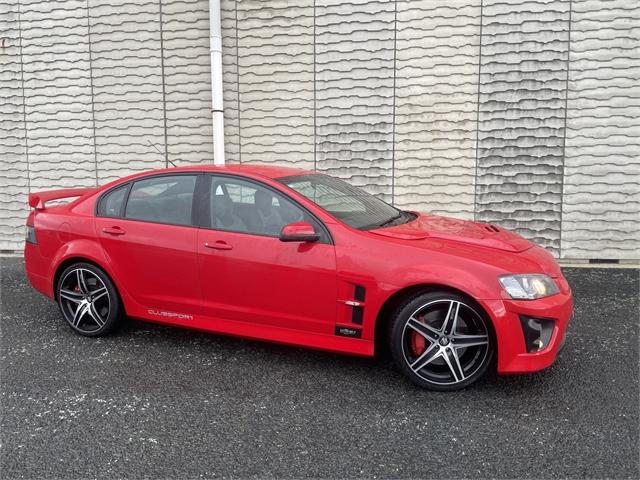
111, 204
166, 199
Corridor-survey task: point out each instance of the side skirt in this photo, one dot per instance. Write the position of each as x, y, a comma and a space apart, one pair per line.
354, 346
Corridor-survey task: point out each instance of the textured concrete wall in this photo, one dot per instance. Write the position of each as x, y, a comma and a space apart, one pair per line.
354, 82
520, 112
57, 93
14, 165
187, 77
229, 17
601, 202
521, 116
438, 46
275, 70
127, 86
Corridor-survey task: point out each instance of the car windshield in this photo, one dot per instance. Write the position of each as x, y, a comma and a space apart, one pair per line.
350, 204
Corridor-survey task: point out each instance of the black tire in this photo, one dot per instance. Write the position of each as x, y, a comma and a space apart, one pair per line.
431, 353
88, 300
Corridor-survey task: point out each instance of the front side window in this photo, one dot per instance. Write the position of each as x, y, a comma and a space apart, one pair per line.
242, 206
111, 204
352, 205
165, 199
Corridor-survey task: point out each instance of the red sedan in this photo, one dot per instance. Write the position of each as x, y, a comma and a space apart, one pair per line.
302, 258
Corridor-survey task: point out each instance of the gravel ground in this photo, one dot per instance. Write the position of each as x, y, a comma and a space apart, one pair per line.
158, 402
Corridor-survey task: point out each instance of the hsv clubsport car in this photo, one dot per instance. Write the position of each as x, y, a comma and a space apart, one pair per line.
302, 258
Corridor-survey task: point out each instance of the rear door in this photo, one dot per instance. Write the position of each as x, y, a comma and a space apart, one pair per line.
248, 275
148, 232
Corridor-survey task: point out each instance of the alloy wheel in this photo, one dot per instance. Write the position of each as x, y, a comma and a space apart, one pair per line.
84, 300
445, 342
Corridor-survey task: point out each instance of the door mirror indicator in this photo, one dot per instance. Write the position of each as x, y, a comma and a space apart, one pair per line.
299, 232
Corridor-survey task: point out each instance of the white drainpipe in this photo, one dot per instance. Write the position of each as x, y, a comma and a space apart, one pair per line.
216, 82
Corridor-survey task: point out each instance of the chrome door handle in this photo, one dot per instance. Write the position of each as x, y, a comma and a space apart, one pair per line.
113, 230
219, 245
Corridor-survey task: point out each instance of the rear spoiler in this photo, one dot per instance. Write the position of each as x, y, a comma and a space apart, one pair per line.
37, 200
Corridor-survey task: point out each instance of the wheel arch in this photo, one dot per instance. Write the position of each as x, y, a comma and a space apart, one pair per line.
68, 261
396, 298
79, 250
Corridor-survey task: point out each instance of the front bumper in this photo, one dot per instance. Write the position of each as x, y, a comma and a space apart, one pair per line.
512, 352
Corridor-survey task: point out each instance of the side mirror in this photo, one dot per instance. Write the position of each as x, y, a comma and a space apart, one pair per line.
298, 232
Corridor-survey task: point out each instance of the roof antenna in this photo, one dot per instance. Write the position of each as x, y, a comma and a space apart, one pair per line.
158, 150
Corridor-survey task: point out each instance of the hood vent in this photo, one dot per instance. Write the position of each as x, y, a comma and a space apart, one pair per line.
491, 228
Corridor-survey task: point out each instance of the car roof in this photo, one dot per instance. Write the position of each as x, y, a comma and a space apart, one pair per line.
268, 171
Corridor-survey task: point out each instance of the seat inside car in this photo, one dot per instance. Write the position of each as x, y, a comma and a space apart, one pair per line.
176, 209
270, 220
223, 215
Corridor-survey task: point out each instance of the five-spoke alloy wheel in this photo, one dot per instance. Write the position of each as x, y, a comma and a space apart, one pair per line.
441, 341
88, 300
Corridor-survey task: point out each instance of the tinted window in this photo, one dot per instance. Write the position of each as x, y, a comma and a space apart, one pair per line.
111, 203
166, 199
241, 206
352, 205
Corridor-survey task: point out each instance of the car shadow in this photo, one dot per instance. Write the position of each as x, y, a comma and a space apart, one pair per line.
378, 369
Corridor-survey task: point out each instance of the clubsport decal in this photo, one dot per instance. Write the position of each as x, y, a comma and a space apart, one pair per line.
162, 313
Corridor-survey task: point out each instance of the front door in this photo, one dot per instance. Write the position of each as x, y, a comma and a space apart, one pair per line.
150, 241
248, 275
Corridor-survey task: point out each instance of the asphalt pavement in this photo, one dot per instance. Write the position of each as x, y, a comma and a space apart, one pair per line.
158, 402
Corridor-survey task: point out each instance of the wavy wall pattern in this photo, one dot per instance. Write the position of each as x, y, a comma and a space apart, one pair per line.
187, 78
14, 170
354, 74
275, 65
228, 16
601, 207
518, 112
57, 93
521, 117
436, 105
127, 86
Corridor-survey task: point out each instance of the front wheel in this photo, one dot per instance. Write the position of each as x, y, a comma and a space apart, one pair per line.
441, 341
88, 300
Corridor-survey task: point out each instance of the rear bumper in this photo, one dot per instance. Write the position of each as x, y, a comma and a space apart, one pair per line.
35, 267
512, 353
41, 284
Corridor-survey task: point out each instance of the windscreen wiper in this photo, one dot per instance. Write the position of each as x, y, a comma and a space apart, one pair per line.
392, 219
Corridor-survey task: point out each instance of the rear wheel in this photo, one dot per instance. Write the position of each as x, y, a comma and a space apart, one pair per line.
441, 341
88, 300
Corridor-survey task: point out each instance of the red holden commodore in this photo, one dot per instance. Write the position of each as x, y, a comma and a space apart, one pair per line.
302, 258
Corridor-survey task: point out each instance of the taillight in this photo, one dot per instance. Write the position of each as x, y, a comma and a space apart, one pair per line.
31, 235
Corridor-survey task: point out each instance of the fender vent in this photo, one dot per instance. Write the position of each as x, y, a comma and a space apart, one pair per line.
356, 315
357, 311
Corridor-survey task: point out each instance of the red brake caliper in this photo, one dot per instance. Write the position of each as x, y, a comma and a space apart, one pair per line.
418, 343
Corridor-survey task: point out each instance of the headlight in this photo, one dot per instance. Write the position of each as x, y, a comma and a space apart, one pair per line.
529, 287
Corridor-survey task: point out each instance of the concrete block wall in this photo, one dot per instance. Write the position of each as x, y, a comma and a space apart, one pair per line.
524, 113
